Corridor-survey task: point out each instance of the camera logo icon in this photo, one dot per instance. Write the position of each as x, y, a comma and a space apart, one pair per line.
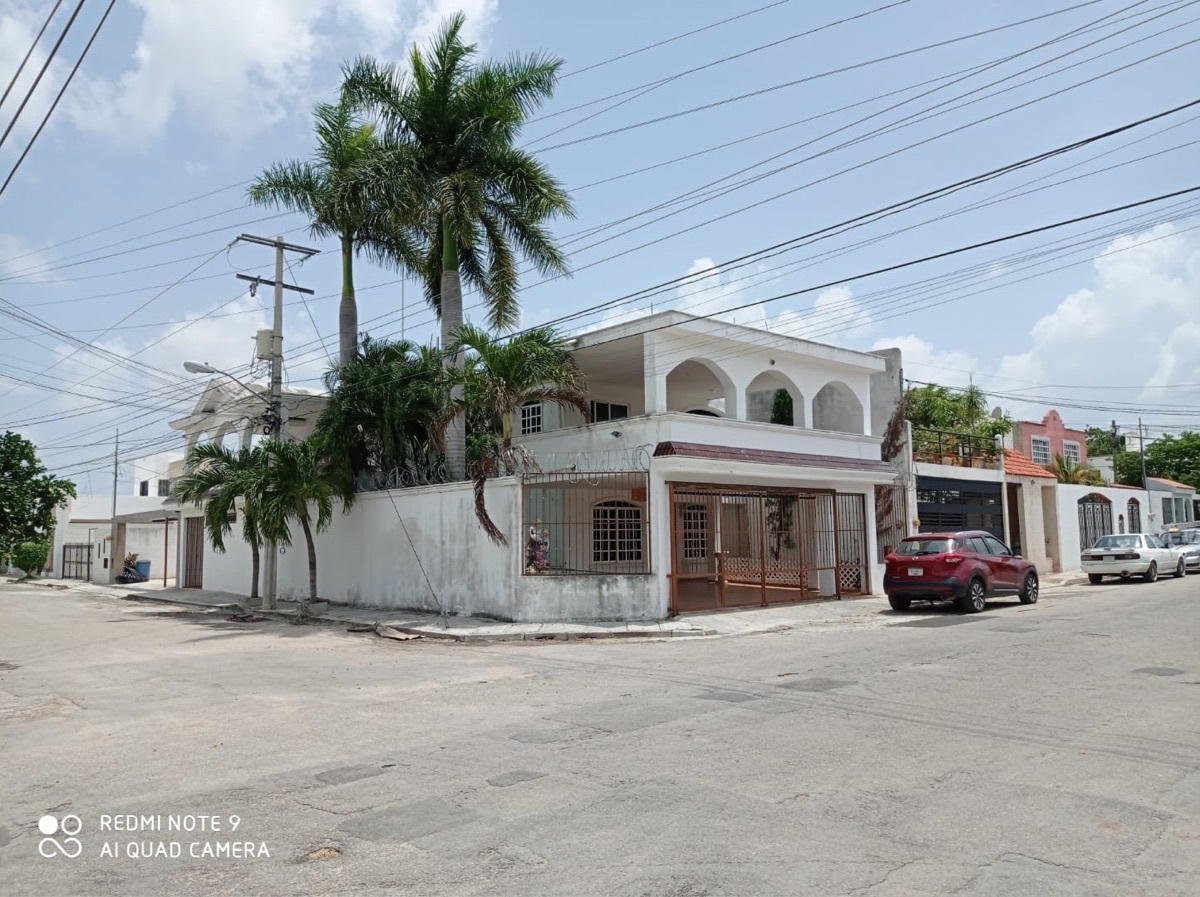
68, 826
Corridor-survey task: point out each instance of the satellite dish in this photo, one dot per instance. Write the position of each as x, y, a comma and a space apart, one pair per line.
997, 412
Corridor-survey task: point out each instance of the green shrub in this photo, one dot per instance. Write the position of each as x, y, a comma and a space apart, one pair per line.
31, 557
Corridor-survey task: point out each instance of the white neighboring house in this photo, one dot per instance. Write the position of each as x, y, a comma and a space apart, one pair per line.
83, 537
228, 408
679, 495
1173, 503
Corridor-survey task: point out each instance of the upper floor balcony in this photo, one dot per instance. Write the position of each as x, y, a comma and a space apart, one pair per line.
955, 449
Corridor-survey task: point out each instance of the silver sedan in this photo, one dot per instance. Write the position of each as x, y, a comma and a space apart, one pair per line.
1188, 543
1132, 554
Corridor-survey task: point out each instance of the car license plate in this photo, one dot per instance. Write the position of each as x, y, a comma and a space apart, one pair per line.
916, 571
1110, 557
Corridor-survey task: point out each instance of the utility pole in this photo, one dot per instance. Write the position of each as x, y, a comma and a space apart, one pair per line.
112, 534
1142, 451
275, 419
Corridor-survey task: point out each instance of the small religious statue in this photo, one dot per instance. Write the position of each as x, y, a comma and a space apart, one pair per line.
537, 549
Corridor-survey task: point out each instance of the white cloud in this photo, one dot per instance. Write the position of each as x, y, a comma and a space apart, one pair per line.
1137, 324
923, 362
19, 24
237, 67
194, 168
19, 260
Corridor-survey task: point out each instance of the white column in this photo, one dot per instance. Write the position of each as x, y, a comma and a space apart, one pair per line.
656, 380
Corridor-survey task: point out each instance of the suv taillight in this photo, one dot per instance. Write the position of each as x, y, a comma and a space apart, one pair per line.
952, 558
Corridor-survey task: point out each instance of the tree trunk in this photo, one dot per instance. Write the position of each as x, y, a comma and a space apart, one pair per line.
255, 566
312, 559
452, 318
348, 310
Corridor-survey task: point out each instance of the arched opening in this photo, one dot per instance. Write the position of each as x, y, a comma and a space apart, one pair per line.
836, 407
701, 386
773, 398
1134, 510
1095, 519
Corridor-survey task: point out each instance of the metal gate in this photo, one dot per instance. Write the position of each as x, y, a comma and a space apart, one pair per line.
1135, 515
1095, 519
740, 547
193, 561
77, 561
891, 519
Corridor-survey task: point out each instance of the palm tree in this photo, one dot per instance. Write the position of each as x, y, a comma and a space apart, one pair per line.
1069, 471
382, 406
456, 182
301, 478
496, 378
215, 477
333, 192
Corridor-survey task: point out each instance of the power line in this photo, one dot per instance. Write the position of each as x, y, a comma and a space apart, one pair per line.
41, 72
36, 40
58, 96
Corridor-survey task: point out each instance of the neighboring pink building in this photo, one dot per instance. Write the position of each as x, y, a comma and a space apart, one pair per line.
1041, 442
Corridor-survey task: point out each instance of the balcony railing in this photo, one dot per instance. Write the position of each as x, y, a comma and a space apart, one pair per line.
955, 449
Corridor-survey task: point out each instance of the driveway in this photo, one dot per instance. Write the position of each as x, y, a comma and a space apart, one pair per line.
1050, 750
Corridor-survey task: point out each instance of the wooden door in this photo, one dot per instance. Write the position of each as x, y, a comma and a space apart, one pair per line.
193, 561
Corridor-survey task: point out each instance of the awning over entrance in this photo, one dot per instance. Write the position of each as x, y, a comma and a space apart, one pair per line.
766, 456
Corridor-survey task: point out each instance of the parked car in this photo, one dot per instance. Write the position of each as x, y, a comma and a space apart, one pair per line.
1132, 554
968, 567
1187, 540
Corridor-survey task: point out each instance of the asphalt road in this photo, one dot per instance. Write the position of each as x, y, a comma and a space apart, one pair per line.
1043, 750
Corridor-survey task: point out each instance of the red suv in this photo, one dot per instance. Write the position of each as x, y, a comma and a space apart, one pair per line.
969, 567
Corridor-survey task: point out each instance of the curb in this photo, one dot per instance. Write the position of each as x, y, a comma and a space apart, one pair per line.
433, 633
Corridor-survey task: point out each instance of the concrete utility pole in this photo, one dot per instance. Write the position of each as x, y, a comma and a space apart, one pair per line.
1142, 451
112, 535
276, 419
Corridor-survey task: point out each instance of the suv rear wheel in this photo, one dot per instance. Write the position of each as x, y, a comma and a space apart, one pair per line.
976, 598
899, 602
1029, 594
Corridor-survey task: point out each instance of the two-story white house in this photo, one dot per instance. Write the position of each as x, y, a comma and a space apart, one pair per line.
678, 495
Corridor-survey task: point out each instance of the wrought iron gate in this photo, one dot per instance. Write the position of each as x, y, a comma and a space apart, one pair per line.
1095, 519
738, 547
77, 560
1135, 515
193, 559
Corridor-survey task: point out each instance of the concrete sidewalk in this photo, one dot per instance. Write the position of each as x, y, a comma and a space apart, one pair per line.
815, 615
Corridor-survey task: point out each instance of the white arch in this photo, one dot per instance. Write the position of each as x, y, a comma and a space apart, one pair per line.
760, 395
837, 407
696, 382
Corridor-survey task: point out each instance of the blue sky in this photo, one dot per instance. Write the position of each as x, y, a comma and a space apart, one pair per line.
177, 100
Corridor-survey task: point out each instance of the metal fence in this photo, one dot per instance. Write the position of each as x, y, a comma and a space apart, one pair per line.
739, 546
891, 518
588, 524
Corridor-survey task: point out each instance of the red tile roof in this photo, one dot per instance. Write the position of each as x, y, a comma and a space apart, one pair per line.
767, 456
1022, 465
1174, 483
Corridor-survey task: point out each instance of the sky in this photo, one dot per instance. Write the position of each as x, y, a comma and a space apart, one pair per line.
710, 131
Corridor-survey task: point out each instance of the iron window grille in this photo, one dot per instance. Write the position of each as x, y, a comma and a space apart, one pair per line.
606, 411
616, 532
1072, 452
531, 418
1039, 449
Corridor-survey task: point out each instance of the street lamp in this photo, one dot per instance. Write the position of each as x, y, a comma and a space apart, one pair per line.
272, 423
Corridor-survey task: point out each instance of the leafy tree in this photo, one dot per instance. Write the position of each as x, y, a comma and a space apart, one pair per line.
383, 405
1101, 442
336, 194
496, 378
1170, 457
301, 480
782, 411
1068, 471
215, 477
456, 181
962, 412
28, 495
31, 557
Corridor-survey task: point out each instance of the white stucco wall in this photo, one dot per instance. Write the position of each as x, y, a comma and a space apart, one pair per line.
1067, 502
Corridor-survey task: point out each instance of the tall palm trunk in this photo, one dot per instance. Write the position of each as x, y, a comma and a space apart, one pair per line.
312, 558
348, 310
255, 566
452, 318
